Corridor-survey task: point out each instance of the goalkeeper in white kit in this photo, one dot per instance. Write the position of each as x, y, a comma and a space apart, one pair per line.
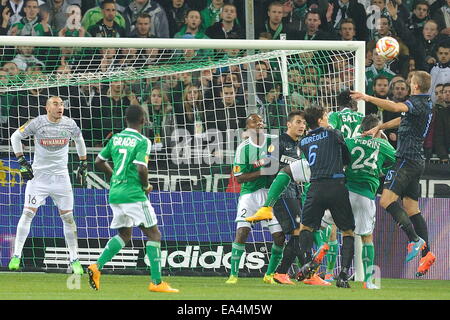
49, 176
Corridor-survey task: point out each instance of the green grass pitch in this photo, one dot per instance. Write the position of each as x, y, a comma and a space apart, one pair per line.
51, 286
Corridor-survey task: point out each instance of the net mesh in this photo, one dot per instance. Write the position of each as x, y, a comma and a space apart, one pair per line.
196, 103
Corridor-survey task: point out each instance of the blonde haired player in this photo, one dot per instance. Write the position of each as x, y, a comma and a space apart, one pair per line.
49, 176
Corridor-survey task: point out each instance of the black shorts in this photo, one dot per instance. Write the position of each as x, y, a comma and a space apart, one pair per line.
288, 212
404, 178
329, 194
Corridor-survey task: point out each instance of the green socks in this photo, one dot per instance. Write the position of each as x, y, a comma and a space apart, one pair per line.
112, 248
368, 257
153, 249
277, 188
237, 250
276, 255
332, 255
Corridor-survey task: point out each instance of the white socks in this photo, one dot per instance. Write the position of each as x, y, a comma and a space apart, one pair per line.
23, 229
70, 234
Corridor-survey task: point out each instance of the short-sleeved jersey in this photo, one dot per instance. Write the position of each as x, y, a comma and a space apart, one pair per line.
248, 158
414, 127
323, 148
346, 121
126, 149
51, 142
370, 157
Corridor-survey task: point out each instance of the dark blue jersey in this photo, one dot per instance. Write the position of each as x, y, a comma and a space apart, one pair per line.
326, 153
414, 127
289, 152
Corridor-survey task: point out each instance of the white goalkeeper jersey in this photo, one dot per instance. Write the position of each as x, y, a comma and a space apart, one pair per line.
51, 142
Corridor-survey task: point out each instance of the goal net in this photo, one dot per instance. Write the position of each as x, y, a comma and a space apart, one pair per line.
197, 95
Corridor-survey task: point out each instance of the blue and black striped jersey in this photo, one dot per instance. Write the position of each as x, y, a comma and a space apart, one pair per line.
414, 127
326, 153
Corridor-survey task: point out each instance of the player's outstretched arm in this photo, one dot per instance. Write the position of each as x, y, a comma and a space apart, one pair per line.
381, 103
26, 171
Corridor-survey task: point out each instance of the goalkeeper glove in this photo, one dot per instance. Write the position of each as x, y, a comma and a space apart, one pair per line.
82, 172
26, 171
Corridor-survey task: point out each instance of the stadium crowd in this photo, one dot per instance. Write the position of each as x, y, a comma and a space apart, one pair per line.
218, 98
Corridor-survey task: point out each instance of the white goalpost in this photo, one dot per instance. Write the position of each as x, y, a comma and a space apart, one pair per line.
187, 87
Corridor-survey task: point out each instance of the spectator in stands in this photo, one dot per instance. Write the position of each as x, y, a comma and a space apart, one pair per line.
109, 112
159, 24
212, 13
12, 70
440, 73
378, 67
26, 105
442, 17
108, 60
380, 90
441, 138
227, 114
294, 15
31, 24
274, 23
107, 27
399, 93
227, 27
173, 87
429, 144
235, 79
56, 10
189, 111
312, 28
350, 9
430, 39
176, 11
347, 30
142, 27
192, 26
94, 15
72, 27
11, 13
309, 92
160, 117
26, 58
275, 110
418, 17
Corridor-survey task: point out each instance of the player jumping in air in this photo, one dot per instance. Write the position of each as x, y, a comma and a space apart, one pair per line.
251, 161
49, 176
129, 151
403, 180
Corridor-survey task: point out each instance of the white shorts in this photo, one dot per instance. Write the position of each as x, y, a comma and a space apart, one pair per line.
127, 215
364, 211
248, 205
58, 187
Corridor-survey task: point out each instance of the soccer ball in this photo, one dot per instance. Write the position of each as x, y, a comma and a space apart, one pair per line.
388, 48
301, 172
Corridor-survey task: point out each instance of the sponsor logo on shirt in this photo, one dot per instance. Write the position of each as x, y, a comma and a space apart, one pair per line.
48, 142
